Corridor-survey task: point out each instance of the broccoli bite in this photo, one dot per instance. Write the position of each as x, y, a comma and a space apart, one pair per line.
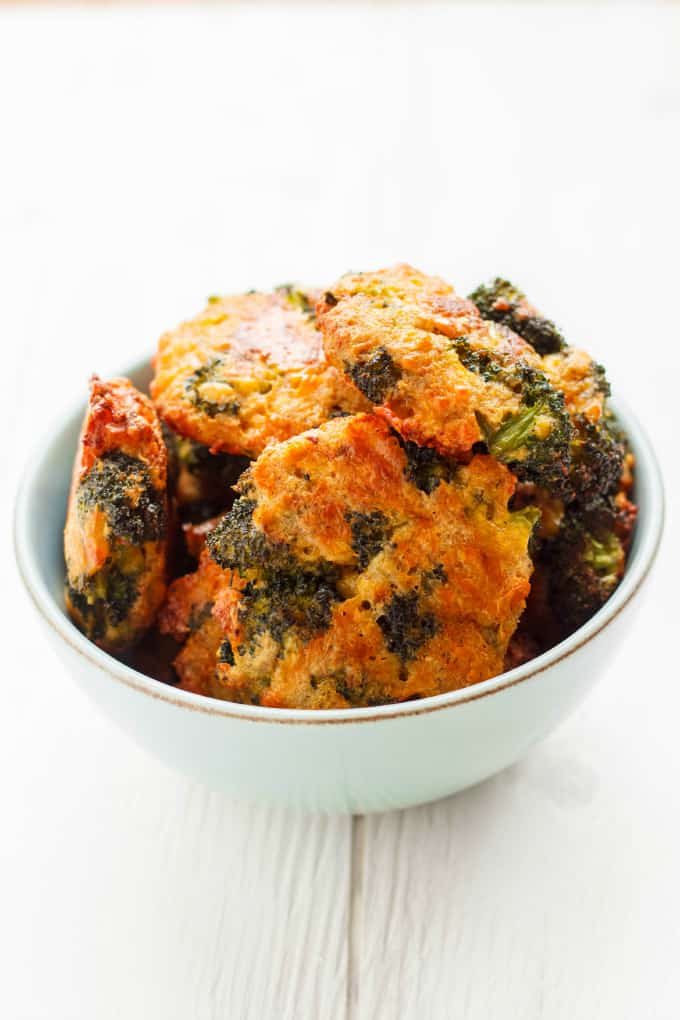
443, 376
500, 301
361, 581
248, 370
115, 539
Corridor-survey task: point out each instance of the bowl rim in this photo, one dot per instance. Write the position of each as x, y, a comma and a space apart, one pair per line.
646, 544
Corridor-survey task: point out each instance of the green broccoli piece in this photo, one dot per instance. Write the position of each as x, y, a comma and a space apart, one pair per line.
236, 544
282, 595
534, 443
597, 454
425, 467
120, 487
362, 693
376, 377
370, 533
104, 600
502, 302
585, 564
405, 627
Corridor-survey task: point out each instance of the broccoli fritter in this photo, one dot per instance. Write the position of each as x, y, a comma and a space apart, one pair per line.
502, 302
116, 526
443, 376
353, 584
249, 370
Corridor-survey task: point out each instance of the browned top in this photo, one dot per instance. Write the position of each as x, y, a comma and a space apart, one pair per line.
249, 370
119, 417
419, 322
451, 566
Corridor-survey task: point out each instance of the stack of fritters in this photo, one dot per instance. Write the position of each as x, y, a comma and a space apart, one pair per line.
415, 468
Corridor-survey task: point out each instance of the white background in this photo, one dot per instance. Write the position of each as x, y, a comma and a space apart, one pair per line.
149, 158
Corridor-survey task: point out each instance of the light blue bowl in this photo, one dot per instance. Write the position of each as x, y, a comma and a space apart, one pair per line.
358, 760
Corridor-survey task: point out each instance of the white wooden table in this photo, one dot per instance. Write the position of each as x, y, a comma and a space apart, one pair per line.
149, 158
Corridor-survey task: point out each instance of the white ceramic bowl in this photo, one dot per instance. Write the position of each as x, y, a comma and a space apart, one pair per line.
365, 759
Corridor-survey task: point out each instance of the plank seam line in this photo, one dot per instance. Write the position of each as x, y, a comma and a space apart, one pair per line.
356, 889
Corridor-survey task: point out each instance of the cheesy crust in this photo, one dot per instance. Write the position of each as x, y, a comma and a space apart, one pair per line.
247, 371
359, 585
419, 352
187, 617
116, 524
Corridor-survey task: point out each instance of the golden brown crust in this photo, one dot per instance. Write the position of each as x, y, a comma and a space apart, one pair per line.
190, 598
411, 327
116, 526
121, 418
425, 587
247, 371
187, 617
577, 376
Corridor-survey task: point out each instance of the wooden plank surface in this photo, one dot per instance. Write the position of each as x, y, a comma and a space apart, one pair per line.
150, 158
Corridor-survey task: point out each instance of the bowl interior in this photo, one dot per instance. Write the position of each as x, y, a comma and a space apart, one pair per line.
39, 521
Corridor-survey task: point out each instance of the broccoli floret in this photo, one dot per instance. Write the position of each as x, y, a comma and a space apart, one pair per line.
370, 532
479, 361
104, 600
120, 487
425, 467
281, 603
600, 379
535, 443
282, 594
502, 302
376, 377
206, 374
363, 693
596, 462
236, 544
585, 564
405, 627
